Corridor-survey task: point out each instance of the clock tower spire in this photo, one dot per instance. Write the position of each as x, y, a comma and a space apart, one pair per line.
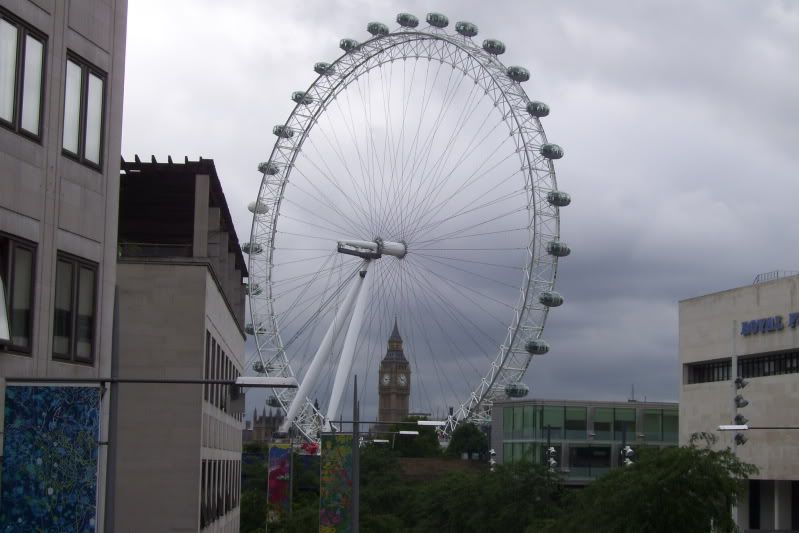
394, 381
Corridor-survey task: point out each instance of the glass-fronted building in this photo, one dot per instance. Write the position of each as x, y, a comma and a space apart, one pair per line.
587, 436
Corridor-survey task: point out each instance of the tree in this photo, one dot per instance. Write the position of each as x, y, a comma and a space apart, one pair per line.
425, 444
514, 498
467, 438
674, 489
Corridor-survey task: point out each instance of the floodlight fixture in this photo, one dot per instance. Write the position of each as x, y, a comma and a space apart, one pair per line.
740, 382
430, 422
741, 402
267, 382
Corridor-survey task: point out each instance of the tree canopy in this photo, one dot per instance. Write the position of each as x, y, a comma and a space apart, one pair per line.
674, 489
467, 438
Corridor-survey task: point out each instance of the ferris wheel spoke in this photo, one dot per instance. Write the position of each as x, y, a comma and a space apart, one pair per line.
419, 327
329, 176
467, 271
428, 145
400, 189
323, 200
438, 306
429, 208
454, 236
337, 149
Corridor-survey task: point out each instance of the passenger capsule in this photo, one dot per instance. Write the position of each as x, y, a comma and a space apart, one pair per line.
257, 208
406, 20
536, 347
552, 151
494, 47
268, 168
377, 28
348, 45
438, 20
550, 299
518, 74
516, 390
558, 249
467, 29
324, 69
300, 97
249, 329
252, 289
538, 109
558, 198
283, 131
251, 248
273, 401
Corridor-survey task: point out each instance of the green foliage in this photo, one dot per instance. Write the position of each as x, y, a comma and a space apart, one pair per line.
674, 489
513, 498
467, 438
425, 444
671, 490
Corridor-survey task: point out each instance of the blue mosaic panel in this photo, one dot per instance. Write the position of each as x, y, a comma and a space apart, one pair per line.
49, 476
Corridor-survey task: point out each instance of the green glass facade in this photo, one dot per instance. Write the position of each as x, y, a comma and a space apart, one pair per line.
587, 436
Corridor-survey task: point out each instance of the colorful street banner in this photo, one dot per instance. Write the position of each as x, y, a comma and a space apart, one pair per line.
50, 450
335, 491
278, 492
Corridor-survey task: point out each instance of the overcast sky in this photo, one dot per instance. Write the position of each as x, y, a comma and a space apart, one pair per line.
678, 120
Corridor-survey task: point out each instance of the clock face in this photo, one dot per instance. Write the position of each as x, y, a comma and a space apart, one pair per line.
386, 379
403, 379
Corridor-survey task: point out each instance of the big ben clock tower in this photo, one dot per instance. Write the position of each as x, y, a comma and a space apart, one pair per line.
394, 381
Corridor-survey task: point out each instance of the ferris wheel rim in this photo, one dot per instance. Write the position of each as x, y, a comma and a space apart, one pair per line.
495, 70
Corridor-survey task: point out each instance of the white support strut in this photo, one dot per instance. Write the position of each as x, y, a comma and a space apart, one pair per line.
348, 350
325, 348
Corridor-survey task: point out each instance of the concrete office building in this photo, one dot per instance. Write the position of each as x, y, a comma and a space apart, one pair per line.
755, 325
587, 436
61, 80
177, 459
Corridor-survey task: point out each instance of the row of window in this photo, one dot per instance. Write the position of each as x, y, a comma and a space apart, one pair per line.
22, 73
221, 489
219, 366
75, 302
555, 422
758, 366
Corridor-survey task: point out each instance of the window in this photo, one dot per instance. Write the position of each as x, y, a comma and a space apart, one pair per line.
552, 422
21, 76
576, 423
709, 371
73, 317
603, 422
652, 425
16, 294
624, 424
84, 94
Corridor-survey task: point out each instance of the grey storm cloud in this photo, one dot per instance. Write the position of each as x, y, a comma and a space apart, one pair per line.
678, 120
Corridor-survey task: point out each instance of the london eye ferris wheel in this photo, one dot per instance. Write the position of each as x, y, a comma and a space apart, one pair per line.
412, 181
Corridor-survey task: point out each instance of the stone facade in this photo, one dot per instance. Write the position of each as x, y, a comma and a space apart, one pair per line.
178, 452
711, 333
60, 204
